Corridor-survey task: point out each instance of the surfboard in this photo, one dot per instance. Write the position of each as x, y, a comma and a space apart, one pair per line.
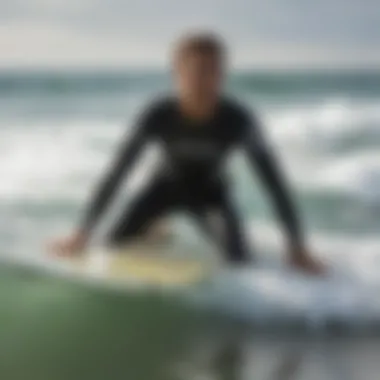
143, 265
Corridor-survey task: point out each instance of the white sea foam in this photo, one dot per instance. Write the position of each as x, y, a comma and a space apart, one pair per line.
321, 125
271, 293
357, 174
56, 160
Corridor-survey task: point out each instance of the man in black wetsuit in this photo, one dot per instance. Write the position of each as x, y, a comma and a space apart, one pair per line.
197, 129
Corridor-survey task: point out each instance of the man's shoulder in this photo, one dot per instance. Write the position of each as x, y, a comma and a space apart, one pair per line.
236, 111
159, 108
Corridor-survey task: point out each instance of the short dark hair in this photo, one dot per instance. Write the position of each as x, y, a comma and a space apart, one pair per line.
205, 43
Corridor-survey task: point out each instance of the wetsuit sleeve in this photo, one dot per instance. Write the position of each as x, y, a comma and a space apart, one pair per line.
261, 157
125, 158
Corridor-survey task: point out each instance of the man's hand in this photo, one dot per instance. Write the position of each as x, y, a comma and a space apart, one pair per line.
302, 260
70, 246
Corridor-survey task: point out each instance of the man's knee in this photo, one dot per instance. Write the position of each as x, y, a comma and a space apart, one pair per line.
159, 232
152, 232
238, 255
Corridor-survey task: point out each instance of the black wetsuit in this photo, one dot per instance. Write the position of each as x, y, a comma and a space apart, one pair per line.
193, 176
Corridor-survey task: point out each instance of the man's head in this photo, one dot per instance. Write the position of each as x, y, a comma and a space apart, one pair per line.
199, 63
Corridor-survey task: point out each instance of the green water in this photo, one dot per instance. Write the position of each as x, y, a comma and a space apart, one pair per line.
53, 330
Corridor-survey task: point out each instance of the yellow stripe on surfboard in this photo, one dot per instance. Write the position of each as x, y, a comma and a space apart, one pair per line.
152, 269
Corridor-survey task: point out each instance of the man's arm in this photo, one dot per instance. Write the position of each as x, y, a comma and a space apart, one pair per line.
124, 160
265, 164
263, 160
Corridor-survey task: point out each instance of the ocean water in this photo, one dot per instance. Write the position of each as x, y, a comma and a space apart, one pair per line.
58, 132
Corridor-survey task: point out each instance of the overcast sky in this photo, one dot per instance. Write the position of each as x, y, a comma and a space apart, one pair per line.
117, 33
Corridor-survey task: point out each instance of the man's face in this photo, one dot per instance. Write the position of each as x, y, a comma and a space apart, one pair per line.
199, 76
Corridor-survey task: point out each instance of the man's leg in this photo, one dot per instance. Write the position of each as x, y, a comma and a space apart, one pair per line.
222, 223
142, 217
